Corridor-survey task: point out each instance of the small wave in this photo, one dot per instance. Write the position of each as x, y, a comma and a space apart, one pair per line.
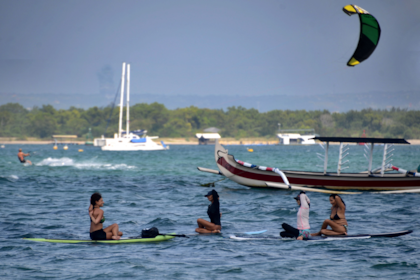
54, 162
393, 264
10, 178
162, 222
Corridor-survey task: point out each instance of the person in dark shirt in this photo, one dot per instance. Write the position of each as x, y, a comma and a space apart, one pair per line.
213, 211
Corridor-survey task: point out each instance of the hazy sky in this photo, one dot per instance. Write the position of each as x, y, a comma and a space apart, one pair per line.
226, 47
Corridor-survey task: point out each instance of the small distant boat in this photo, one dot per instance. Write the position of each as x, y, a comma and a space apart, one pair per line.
130, 140
296, 137
2, 146
262, 176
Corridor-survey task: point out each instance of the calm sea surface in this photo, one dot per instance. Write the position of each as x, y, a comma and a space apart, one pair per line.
162, 189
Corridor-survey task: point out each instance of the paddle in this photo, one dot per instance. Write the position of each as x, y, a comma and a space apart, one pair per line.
163, 234
248, 233
183, 235
176, 235
211, 184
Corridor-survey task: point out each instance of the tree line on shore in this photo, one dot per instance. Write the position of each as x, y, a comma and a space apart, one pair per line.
237, 122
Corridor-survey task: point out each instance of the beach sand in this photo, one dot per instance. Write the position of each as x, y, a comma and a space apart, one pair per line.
169, 141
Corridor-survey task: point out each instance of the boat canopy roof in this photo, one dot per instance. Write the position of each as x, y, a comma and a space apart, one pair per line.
64, 136
208, 135
362, 140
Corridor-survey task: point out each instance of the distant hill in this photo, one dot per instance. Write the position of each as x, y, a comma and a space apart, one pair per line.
333, 102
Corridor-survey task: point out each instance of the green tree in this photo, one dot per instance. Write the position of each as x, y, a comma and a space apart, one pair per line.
42, 125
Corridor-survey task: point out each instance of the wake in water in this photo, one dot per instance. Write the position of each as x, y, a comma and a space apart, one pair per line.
56, 162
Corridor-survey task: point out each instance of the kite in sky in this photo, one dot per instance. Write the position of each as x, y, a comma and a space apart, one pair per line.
369, 34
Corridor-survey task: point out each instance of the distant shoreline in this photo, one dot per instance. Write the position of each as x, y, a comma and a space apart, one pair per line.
171, 141
168, 141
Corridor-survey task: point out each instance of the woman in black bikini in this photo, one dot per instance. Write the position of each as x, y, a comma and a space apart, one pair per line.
337, 221
214, 226
97, 219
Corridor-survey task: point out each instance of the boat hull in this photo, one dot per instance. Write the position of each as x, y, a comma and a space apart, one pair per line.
345, 181
125, 144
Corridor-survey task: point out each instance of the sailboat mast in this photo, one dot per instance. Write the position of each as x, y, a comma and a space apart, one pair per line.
128, 99
121, 100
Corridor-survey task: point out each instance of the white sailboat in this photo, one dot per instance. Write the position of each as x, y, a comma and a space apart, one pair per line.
127, 140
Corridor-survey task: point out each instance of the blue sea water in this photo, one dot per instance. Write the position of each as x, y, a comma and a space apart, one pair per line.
162, 189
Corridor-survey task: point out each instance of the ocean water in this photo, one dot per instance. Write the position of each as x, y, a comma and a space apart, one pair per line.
162, 189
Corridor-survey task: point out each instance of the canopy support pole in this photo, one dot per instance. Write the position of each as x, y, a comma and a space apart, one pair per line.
370, 158
341, 156
326, 158
385, 158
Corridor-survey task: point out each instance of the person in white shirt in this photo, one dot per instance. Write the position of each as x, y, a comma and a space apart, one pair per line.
303, 226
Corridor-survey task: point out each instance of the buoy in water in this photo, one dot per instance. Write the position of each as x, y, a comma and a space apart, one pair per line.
80, 150
65, 147
55, 147
250, 150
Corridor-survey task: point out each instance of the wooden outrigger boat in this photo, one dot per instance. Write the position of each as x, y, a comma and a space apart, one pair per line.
377, 180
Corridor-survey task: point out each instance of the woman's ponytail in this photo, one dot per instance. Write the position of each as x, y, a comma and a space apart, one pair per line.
94, 198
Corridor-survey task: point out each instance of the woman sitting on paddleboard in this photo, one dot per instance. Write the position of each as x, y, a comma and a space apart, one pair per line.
337, 221
214, 226
97, 219
303, 226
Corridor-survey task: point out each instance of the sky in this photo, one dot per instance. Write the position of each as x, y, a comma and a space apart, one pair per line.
203, 48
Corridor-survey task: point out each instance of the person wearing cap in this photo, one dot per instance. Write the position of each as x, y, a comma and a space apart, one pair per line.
214, 226
303, 226
21, 157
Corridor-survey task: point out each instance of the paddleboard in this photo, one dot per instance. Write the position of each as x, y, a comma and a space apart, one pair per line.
360, 236
326, 238
255, 232
121, 241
